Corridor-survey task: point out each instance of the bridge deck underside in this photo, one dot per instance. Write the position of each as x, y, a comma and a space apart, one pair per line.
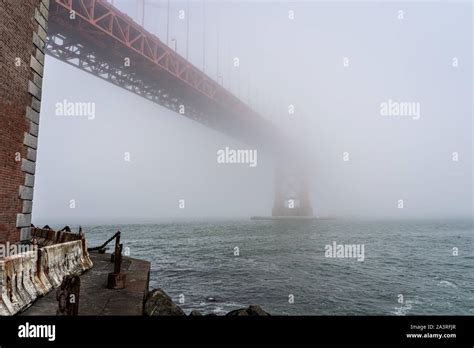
95, 37
88, 43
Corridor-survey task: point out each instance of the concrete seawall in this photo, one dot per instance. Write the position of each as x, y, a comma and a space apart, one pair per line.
28, 275
95, 298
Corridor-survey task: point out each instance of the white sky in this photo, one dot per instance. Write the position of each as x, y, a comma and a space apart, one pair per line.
283, 62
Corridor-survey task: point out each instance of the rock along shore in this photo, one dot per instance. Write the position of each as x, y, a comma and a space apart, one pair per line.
158, 303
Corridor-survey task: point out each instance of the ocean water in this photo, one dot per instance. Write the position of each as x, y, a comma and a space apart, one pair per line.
281, 261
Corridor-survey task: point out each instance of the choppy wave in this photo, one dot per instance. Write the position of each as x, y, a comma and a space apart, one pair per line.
406, 307
447, 284
279, 259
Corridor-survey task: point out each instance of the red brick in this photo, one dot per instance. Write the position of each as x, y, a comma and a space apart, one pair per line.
17, 25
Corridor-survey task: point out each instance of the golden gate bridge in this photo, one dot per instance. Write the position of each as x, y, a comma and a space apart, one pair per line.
96, 37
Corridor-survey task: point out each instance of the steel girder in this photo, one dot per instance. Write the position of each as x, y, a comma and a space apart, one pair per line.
102, 21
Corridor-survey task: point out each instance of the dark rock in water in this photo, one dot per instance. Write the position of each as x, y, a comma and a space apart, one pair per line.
195, 313
252, 310
159, 303
211, 315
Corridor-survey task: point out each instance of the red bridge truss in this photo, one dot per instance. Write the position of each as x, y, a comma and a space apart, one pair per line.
96, 37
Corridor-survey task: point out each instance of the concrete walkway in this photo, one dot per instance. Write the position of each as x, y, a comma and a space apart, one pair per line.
95, 298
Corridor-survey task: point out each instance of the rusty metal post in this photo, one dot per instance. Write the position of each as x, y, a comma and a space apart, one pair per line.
118, 258
116, 279
117, 243
68, 296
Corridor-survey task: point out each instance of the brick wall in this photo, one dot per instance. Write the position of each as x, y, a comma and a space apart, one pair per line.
23, 25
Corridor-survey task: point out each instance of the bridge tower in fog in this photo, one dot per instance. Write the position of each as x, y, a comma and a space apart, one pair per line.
291, 192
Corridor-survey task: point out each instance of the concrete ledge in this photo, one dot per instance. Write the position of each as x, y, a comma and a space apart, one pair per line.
44, 11
17, 282
38, 80
25, 233
95, 298
42, 34
27, 207
28, 166
62, 259
26, 276
36, 66
30, 140
32, 115
26, 193
35, 104
40, 19
31, 153
45, 237
34, 90
23, 220
38, 42
34, 129
29, 180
